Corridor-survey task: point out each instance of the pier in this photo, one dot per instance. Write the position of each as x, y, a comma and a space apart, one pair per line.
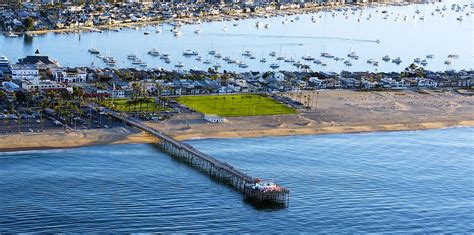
255, 191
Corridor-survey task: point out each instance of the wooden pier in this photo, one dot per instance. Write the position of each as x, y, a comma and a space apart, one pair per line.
213, 167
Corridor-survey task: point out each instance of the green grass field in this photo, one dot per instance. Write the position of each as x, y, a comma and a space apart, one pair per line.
123, 106
235, 105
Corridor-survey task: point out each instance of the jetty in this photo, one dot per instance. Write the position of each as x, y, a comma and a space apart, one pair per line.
254, 190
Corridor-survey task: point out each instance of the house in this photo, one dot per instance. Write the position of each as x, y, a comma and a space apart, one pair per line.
25, 72
214, 118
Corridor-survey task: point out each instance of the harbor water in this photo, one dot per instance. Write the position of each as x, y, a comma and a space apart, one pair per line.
408, 32
412, 181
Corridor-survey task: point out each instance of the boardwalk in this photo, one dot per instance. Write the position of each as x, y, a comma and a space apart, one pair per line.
216, 169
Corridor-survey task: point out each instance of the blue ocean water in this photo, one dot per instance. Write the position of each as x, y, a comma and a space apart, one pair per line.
415, 181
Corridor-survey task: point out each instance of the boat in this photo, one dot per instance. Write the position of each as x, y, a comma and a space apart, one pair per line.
297, 63
386, 58
247, 53
177, 34
353, 55
154, 52
137, 61
430, 56
272, 54
164, 56
258, 24
131, 57
424, 62
235, 24
218, 65
4, 60
448, 61
243, 65
212, 52
158, 31
11, 35
225, 28
274, 66
146, 33
189, 53
197, 31
179, 64
263, 60
94, 51
317, 61
397, 60
207, 62
459, 18
218, 55
370, 61
307, 57
453, 56
280, 58
417, 60
198, 58
347, 63
252, 57
267, 26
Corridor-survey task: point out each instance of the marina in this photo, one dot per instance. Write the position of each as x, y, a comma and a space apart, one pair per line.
336, 40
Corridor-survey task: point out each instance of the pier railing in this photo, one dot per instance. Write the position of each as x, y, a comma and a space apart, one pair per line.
216, 169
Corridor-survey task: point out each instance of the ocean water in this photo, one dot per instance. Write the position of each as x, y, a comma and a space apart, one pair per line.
415, 181
408, 39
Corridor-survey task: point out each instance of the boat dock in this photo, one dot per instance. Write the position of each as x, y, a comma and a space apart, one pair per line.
252, 188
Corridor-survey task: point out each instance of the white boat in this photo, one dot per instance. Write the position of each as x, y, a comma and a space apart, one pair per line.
11, 35
247, 53
280, 58
274, 66
212, 52
179, 64
370, 61
131, 57
164, 56
459, 18
424, 62
272, 54
189, 53
353, 55
298, 64
197, 31
158, 31
263, 60
317, 61
347, 63
4, 60
448, 61
198, 58
386, 58
453, 56
154, 52
417, 60
218, 55
94, 51
177, 34
267, 26
207, 62
225, 28
243, 65
258, 24
217, 65
430, 56
397, 60
307, 57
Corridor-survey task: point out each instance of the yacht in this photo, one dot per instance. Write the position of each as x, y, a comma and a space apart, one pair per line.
165, 56
243, 65
397, 60
179, 64
247, 53
131, 57
154, 52
11, 35
274, 66
4, 60
189, 53
137, 61
94, 51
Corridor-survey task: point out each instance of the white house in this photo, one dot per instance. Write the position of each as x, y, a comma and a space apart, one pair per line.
25, 72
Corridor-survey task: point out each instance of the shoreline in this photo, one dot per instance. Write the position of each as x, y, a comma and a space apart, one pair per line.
205, 19
106, 137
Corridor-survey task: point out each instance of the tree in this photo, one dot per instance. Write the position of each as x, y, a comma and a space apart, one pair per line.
28, 23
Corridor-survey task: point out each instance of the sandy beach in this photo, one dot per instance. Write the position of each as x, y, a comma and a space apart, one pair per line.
333, 111
55, 140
